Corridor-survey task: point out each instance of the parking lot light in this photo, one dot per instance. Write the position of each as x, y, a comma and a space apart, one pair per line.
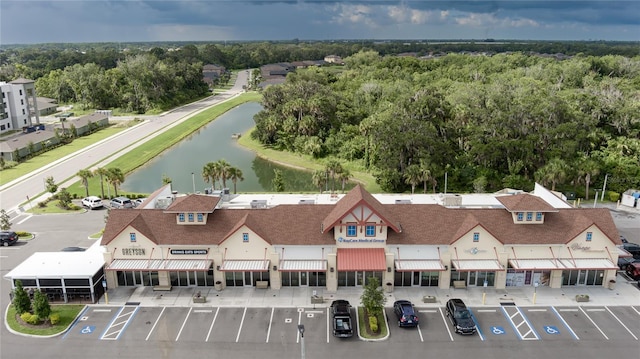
301, 331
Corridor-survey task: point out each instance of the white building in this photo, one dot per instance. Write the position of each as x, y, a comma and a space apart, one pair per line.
19, 107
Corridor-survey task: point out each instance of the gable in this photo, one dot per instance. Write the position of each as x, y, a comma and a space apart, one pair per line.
484, 248
235, 246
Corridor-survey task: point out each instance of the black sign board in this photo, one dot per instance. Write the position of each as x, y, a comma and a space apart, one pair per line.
189, 251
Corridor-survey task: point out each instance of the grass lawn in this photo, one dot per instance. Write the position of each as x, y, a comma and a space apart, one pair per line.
67, 313
363, 324
52, 207
306, 162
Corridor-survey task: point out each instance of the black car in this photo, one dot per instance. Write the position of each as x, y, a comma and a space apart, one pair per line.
8, 238
342, 323
340, 307
460, 317
632, 248
406, 314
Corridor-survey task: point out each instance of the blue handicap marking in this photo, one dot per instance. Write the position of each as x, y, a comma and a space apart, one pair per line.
551, 329
497, 330
87, 329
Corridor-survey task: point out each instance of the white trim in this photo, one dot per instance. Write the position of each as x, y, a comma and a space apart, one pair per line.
419, 265
303, 265
477, 265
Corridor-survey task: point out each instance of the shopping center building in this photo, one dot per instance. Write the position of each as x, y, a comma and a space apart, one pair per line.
333, 241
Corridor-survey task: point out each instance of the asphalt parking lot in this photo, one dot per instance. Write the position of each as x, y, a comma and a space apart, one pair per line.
279, 325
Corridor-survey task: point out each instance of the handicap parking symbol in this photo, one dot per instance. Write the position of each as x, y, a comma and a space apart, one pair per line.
551, 330
497, 330
88, 329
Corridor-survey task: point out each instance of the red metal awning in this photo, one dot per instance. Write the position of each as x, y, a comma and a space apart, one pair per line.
361, 259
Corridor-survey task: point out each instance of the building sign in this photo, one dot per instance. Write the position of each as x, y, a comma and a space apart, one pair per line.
132, 251
189, 251
360, 240
578, 247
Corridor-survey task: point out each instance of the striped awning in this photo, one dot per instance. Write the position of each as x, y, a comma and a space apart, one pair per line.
160, 264
361, 259
587, 263
245, 266
477, 265
303, 265
411, 265
533, 264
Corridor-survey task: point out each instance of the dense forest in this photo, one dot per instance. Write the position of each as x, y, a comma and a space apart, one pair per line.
488, 115
487, 121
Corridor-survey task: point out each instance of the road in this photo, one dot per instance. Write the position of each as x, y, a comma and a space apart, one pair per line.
100, 154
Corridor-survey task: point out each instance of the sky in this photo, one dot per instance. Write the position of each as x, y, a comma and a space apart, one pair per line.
72, 21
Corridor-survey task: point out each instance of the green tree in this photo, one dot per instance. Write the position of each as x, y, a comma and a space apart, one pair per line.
115, 177
235, 175
554, 172
344, 177
41, 306
413, 176
209, 174
31, 148
5, 220
480, 184
333, 167
319, 179
64, 198
166, 179
102, 172
372, 297
278, 182
84, 179
50, 185
223, 171
21, 301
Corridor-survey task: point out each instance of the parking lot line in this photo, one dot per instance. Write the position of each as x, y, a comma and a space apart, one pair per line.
566, 325
241, 322
76, 321
156, 323
594, 324
446, 324
270, 321
212, 322
184, 323
475, 321
420, 332
621, 323
328, 324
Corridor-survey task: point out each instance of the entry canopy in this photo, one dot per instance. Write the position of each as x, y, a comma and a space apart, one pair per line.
535, 264
160, 265
477, 265
410, 265
245, 266
361, 259
303, 265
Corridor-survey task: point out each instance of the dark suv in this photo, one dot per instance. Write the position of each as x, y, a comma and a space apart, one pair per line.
8, 238
460, 317
406, 315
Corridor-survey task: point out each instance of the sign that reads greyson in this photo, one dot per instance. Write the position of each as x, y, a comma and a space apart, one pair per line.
189, 251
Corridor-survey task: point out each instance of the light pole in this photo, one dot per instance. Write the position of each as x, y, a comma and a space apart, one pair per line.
484, 291
301, 331
535, 291
193, 181
595, 199
106, 296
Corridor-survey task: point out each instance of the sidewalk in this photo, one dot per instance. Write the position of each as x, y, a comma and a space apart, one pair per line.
625, 293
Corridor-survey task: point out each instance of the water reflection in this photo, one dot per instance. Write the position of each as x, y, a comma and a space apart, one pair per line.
183, 162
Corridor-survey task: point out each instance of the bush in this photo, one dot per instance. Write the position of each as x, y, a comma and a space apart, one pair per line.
373, 324
613, 196
54, 318
30, 318
23, 234
42, 204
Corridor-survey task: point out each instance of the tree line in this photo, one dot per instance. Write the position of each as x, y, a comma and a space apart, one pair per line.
486, 122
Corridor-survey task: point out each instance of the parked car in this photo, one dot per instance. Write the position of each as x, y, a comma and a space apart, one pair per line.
632, 248
633, 270
73, 249
139, 201
406, 314
623, 262
8, 238
92, 202
460, 317
121, 202
342, 324
623, 239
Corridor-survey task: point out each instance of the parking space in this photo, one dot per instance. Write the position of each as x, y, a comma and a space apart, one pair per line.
317, 327
403, 334
168, 324
284, 326
629, 317
227, 325
140, 325
610, 326
196, 325
548, 324
92, 323
493, 325
255, 326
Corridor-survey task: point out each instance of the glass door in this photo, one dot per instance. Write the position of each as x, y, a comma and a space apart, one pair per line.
303, 279
582, 277
471, 281
416, 279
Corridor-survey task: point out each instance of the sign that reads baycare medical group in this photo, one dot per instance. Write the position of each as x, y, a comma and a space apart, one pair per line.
360, 240
189, 251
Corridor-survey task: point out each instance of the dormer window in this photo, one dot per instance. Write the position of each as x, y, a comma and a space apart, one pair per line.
370, 230
520, 216
476, 237
538, 216
132, 237
351, 230
589, 236
245, 237
180, 217
529, 216
190, 217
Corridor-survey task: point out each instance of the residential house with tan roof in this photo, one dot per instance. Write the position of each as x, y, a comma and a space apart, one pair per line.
205, 240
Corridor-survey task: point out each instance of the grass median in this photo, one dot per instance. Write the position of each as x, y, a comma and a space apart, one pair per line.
67, 313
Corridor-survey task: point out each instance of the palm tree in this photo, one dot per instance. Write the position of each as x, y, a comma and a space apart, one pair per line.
344, 177
412, 176
223, 171
554, 172
333, 167
425, 176
319, 179
116, 178
84, 178
588, 168
102, 172
208, 174
235, 175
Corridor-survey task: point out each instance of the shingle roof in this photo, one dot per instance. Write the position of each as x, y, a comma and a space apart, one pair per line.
354, 198
197, 203
525, 202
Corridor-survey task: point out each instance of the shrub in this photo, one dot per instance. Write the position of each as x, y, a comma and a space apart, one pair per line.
23, 234
20, 299
373, 323
42, 204
30, 318
613, 196
54, 318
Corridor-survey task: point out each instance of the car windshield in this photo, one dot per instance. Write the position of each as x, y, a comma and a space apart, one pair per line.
462, 314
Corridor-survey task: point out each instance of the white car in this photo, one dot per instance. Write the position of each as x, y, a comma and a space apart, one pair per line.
92, 202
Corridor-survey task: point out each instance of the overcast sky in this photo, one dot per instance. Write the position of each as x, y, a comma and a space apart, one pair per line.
32, 21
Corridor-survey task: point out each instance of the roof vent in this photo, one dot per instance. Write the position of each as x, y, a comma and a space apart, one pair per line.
259, 203
307, 201
403, 201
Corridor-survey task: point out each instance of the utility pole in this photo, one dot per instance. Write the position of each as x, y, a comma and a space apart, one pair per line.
604, 187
